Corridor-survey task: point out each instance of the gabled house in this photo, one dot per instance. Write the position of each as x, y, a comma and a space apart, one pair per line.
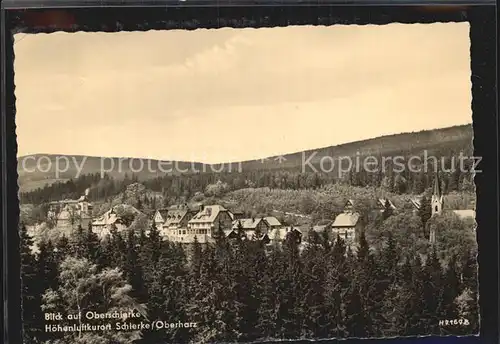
346, 225
272, 222
204, 225
349, 206
252, 227
160, 217
104, 224
178, 218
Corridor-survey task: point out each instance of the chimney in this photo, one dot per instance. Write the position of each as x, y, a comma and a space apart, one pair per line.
201, 207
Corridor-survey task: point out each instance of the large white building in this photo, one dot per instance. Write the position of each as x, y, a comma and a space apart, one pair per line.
204, 225
71, 212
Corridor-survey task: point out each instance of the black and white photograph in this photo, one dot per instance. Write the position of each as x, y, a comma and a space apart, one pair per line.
242, 185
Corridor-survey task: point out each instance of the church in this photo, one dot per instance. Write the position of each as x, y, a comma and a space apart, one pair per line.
437, 203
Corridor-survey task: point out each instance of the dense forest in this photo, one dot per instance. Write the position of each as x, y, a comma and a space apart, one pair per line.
36, 171
176, 188
241, 290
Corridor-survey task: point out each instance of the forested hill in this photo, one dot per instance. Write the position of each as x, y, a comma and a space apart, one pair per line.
439, 142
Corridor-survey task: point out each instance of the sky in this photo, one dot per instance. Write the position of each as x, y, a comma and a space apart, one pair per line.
236, 94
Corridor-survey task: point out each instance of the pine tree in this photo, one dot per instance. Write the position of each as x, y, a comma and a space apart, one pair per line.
387, 278
62, 250
196, 260
153, 246
267, 313
404, 309
47, 278
336, 287
432, 292
214, 306
291, 290
425, 212
315, 321
362, 291
133, 268
450, 291
118, 248
29, 293
106, 254
168, 294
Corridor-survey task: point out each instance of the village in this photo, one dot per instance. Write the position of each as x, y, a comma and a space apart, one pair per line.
185, 224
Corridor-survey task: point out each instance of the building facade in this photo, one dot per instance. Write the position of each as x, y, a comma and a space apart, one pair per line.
71, 212
204, 225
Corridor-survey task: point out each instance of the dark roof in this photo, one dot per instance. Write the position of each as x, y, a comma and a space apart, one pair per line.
437, 186
208, 214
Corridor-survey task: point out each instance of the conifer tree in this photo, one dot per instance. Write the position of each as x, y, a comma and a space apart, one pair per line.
62, 249
196, 260
432, 292
450, 290
78, 240
46, 272
291, 289
106, 254
363, 287
267, 312
29, 293
214, 306
402, 309
337, 285
118, 248
356, 322
315, 321
151, 251
133, 268
93, 244
425, 212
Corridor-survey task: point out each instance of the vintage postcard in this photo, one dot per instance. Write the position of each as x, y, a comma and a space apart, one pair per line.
246, 185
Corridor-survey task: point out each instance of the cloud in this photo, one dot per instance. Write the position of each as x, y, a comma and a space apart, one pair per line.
160, 88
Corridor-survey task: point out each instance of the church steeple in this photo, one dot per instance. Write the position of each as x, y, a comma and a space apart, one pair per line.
437, 186
437, 196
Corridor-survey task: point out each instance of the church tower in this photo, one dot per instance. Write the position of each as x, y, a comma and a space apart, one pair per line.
436, 205
437, 197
